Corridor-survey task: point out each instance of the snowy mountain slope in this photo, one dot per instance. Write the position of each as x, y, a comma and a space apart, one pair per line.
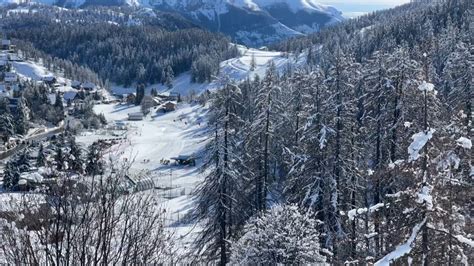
236, 69
254, 22
182, 132
250, 22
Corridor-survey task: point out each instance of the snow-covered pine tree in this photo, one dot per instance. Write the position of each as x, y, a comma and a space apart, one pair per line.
41, 158
218, 193
7, 126
268, 107
22, 117
74, 157
11, 175
281, 235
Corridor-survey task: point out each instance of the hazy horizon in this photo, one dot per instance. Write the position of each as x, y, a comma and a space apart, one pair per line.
352, 8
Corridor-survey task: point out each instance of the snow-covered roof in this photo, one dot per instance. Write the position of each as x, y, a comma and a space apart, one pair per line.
48, 78
75, 83
6, 42
69, 95
89, 85
464, 142
135, 114
3, 62
10, 77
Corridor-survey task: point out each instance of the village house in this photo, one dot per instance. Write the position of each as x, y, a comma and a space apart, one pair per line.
129, 98
169, 106
10, 78
49, 80
6, 45
76, 85
89, 86
138, 116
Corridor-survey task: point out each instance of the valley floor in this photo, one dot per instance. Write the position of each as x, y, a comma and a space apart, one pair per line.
161, 136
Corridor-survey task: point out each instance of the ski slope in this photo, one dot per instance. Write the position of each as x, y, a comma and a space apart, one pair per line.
162, 136
235, 69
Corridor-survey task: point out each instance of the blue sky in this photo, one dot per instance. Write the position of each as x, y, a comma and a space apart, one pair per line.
352, 8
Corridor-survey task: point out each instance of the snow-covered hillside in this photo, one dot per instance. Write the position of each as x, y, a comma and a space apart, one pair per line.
250, 22
235, 69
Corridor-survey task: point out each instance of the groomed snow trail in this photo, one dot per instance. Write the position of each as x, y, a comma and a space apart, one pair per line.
163, 136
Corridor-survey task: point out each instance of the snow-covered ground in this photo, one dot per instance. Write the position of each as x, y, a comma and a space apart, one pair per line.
162, 136
30, 70
236, 69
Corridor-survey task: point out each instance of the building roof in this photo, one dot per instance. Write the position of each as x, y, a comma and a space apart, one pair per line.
89, 85
49, 78
6, 42
183, 157
69, 95
11, 77
135, 114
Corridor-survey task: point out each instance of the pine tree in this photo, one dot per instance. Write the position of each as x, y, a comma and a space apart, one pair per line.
253, 62
41, 158
217, 194
7, 126
169, 77
74, 157
11, 175
93, 163
282, 235
59, 158
23, 116
140, 93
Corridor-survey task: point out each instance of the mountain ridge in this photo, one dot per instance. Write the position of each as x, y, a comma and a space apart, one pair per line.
250, 22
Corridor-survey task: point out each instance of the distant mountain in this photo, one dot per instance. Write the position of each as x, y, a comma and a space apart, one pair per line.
254, 22
251, 22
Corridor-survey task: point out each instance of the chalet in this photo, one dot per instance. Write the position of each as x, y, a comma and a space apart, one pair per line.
185, 160
10, 78
6, 45
70, 96
89, 86
9, 90
49, 80
130, 98
138, 116
76, 85
118, 125
169, 106
174, 96
15, 58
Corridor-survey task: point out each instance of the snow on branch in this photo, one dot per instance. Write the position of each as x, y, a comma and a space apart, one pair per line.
354, 212
402, 249
465, 240
419, 141
464, 142
426, 86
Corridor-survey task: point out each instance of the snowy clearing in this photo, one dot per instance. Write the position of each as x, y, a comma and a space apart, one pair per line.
236, 69
162, 136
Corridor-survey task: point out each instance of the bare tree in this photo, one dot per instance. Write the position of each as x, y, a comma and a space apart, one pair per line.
86, 220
